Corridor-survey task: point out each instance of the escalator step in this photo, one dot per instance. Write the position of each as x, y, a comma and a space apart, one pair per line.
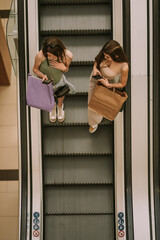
82, 63
73, 2
72, 214
77, 140
77, 32
78, 168
82, 199
76, 154
78, 94
76, 184
96, 227
73, 124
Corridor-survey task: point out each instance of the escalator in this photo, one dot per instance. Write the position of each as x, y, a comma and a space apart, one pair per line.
78, 167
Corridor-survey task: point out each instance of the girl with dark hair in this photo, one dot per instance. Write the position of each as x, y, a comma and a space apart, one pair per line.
50, 63
112, 65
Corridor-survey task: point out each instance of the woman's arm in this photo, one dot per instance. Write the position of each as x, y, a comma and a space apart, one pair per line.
124, 78
69, 57
37, 63
95, 69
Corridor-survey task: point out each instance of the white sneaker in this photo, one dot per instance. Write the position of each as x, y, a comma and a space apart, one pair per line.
52, 115
61, 113
92, 129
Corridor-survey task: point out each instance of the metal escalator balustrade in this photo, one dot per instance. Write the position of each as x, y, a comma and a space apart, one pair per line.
77, 165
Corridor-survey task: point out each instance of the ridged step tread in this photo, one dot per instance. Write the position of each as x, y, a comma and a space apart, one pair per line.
75, 154
82, 63
76, 184
73, 2
71, 214
77, 32
73, 124
78, 94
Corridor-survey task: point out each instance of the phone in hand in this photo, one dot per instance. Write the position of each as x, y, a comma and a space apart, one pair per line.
97, 77
47, 81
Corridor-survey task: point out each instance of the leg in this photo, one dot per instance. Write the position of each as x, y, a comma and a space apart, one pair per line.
52, 114
60, 108
60, 101
93, 118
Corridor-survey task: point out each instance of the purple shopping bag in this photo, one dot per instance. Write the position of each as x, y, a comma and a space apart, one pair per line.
39, 95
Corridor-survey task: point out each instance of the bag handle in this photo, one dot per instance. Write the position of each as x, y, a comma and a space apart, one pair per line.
50, 70
113, 88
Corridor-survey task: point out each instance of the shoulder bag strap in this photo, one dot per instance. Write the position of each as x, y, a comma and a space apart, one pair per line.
49, 70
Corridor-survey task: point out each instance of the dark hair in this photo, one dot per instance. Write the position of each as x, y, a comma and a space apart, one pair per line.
55, 46
114, 50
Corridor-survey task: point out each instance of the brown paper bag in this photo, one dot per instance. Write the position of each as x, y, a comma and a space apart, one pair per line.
107, 102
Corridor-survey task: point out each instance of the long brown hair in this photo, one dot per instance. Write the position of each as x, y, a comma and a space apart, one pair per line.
55, 46
114, 50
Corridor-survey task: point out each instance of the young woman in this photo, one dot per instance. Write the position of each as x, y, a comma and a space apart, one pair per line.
112, 64
50, 63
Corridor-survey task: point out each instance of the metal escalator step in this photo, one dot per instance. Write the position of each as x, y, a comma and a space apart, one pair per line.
72, 214
82, 63
76, 154
73, 124
76, 184
78, 94
67, 140
79, 76
77, 32
73, 2
78, 168
79, 199
69, 17
82, 227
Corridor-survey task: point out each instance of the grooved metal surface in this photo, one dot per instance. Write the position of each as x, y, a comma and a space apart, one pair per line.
78, 169
71, 17
76, 32
73, 2
74, 199
80, 227
78, 140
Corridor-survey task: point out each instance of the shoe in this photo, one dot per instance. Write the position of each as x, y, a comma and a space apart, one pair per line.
92, 129
52, 115
61, 113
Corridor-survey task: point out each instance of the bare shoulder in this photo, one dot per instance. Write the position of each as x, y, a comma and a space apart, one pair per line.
125, 68
39, 56
68, 54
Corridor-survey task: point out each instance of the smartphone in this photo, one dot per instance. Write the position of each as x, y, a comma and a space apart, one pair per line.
97, 77
47, 82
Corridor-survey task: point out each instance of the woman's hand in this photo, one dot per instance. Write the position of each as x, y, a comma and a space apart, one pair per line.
45, 78
58, 65
105, 82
